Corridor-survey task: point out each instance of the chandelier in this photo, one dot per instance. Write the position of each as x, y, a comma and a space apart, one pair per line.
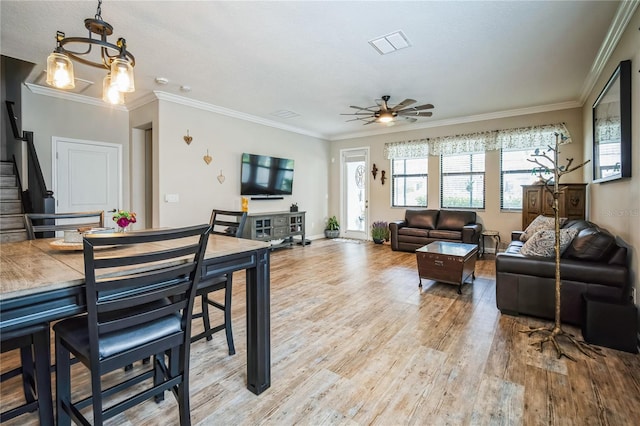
114, 57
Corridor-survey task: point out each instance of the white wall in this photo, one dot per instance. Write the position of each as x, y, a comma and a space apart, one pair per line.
616, 205
184, 172
491, 217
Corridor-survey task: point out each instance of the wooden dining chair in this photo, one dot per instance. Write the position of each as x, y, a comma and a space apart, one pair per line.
139, 303
33, 343
46, 223
229, 223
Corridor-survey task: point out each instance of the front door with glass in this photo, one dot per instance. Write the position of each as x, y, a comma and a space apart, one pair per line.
355, 221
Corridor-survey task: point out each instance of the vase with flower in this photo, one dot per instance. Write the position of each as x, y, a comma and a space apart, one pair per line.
123, 219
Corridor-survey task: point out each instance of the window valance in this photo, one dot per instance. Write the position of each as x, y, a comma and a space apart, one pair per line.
417, 148
519, 138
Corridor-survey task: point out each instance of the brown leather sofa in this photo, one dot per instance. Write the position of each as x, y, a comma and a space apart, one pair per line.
421, 227
593, 264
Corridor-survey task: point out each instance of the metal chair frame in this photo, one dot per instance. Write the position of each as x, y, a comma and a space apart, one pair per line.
47, 222
220, 218
33, 343
142, 309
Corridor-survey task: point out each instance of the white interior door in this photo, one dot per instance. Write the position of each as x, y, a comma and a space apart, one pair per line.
87, 176
355, 193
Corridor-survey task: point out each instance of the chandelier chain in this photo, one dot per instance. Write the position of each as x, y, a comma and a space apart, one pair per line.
99, 10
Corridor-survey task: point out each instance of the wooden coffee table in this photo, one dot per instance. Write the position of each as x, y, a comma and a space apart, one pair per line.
447, 262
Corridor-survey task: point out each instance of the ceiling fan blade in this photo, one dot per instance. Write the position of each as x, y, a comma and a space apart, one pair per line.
422, 107
369, 122
362, 108
410, 113
403, 104
358, 113
410, 119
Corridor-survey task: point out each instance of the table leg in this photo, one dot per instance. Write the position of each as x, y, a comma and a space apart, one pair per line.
258, 325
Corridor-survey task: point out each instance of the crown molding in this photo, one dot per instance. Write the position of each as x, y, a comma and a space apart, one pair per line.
462, 120
164, 96
55, 93
618, 25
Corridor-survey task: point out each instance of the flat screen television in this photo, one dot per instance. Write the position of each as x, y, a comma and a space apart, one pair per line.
265, 175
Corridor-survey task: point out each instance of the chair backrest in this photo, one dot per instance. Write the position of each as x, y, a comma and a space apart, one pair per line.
50, 222
150, 277
226, 222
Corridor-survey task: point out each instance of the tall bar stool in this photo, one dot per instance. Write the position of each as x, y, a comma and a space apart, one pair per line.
142, 311
229, 223
48, 222
33, 344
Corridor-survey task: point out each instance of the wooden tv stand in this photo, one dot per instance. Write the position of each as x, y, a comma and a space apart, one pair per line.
275, 226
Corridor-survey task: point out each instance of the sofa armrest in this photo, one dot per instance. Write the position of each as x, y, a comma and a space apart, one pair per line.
393, 228
471, 233
515, 235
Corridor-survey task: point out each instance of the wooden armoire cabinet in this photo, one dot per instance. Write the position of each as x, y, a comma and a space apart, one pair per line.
536, 200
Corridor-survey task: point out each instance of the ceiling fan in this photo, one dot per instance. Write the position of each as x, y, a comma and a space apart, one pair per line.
387, 114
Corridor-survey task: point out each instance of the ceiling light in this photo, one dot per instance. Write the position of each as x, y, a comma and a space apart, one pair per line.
385, 117
162, 80
390, 42
113, 57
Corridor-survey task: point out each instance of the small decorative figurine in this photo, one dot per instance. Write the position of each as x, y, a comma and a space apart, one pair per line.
383, 177
374, 171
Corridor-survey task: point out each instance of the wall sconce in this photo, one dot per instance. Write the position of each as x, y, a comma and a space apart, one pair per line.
374, 172
207, 158
220, 177
383, 177
188, 139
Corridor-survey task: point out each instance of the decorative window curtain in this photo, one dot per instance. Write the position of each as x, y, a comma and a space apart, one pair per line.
417, 148
532, 137
520, 138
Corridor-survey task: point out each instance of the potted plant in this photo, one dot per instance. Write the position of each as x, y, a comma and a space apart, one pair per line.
379, 232
333, 228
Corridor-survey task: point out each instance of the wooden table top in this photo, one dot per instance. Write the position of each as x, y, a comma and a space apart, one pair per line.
29, 267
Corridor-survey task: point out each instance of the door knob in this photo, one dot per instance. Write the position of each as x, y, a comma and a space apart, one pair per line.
112, 211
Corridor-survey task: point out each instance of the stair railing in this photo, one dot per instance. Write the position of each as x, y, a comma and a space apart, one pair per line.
37, 198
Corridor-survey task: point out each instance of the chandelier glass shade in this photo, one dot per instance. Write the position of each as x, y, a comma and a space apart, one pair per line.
114, 58
110, 92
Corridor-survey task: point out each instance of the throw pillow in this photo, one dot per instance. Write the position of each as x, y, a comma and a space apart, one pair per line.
540, 223
542, 243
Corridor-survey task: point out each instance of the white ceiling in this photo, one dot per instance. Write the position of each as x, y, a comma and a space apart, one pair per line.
469, 59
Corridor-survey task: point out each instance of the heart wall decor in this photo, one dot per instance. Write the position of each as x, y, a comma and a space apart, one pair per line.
188, 138
207, 158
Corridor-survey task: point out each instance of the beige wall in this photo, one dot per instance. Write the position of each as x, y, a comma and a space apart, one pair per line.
491, 217
616, 205
47, 117
184, 172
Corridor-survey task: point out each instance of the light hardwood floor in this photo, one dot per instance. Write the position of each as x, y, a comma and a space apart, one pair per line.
355, 342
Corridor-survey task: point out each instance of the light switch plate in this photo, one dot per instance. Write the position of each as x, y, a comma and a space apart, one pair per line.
171, 198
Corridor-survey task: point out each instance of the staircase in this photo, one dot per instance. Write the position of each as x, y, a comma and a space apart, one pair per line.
11, 214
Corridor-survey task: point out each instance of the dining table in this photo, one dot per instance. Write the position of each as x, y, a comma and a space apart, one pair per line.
42, 281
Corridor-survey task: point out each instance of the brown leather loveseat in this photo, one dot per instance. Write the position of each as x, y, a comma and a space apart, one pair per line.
593, 264
421, 227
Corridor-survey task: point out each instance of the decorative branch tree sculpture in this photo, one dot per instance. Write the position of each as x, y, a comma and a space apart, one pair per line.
545, 164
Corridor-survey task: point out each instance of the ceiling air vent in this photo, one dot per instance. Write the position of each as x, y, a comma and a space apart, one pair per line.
390, 42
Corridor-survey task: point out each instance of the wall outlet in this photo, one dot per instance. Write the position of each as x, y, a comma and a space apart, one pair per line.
171, 198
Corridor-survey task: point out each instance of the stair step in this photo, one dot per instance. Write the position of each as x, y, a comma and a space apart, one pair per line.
10, 207
8, 181
11, 221
13, 236
9, 193
6, 168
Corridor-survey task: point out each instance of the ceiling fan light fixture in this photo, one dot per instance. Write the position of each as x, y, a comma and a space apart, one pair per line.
385, 117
